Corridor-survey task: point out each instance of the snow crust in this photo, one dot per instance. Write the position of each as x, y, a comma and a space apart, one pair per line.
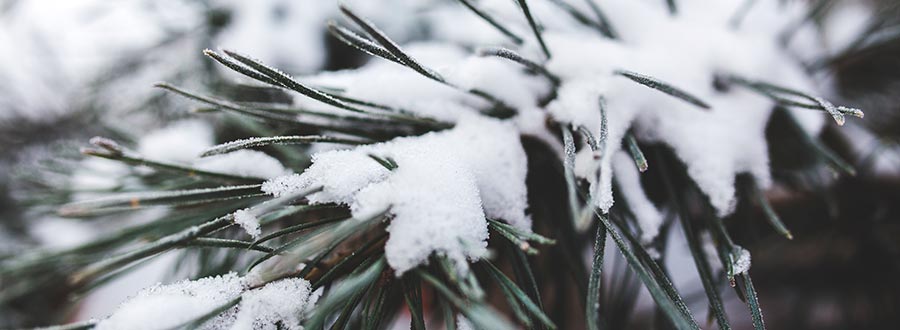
445, 184
283, 303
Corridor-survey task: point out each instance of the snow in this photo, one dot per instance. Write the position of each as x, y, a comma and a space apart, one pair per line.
248, 221
168, 306
104, 300
703, 45
700, 39
445, 185
498, 77
247, 163
741, 265
648, 217
277, 305
687, 51
282, 302
388, 83
178, 142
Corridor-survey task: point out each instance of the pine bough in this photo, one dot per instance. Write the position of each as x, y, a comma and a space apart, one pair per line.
424, 156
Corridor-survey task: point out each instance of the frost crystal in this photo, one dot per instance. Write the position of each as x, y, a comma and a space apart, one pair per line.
438, 196
248, 221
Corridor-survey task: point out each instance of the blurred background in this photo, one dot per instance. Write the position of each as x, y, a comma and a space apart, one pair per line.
73, 69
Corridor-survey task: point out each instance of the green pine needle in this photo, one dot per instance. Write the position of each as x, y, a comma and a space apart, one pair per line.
592, 303
639, 160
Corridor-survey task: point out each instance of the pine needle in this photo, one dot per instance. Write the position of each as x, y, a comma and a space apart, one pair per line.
782, 94
592, 302
523, 4
663, 87
389, 44
389, 163
673, 6
493, 22
500, 109
346, 290
604, 129
178, 197
569, 167
174, 240
753, 302
601, 23
287, 81
821, 151
280, 140
639, 160
352, 39
605, 25
412, 294
671, 305
227, 243
519, 295
127, 157
515, 57
697, 252
768, 210
482, 316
